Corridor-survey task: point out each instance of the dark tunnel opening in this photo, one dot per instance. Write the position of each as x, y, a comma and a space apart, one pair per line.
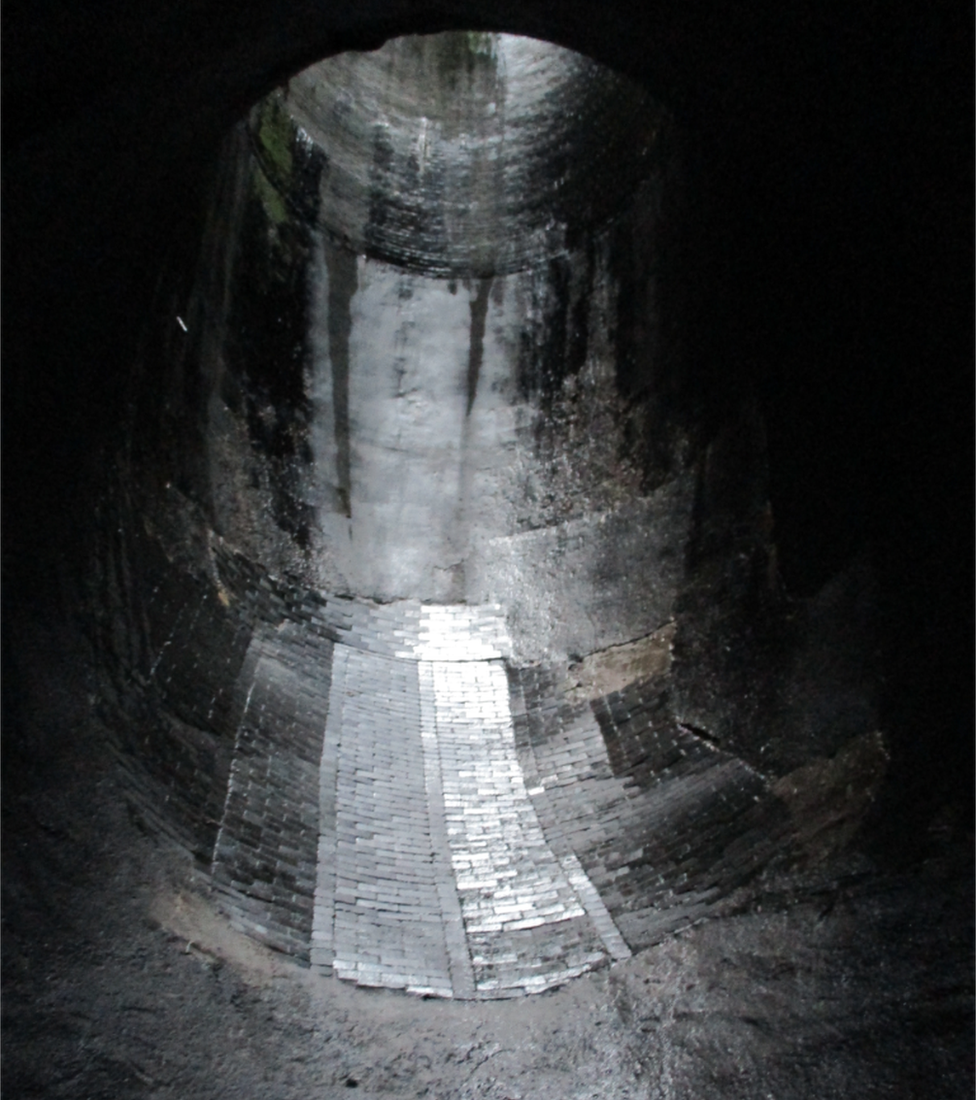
745, 393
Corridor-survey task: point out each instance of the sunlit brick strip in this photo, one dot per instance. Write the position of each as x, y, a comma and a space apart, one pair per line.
461, 633
462, 977
574, 753
507, 878
593, 903
434, 874
323, 923
389, 925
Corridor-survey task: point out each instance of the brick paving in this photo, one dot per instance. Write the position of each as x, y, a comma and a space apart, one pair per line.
391, 800
434, 875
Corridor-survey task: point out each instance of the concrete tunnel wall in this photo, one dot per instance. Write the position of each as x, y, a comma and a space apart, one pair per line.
471, 490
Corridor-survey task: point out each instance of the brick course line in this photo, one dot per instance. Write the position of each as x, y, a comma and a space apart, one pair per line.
270, 825
525, 925
389, 928
323, 919
248, 671
462, 974
593, 903
581, 736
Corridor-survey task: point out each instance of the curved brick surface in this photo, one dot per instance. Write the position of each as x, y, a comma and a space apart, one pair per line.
433, 871
406, 809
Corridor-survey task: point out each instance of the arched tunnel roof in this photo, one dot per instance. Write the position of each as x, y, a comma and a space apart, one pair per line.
466, 154
820, 334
